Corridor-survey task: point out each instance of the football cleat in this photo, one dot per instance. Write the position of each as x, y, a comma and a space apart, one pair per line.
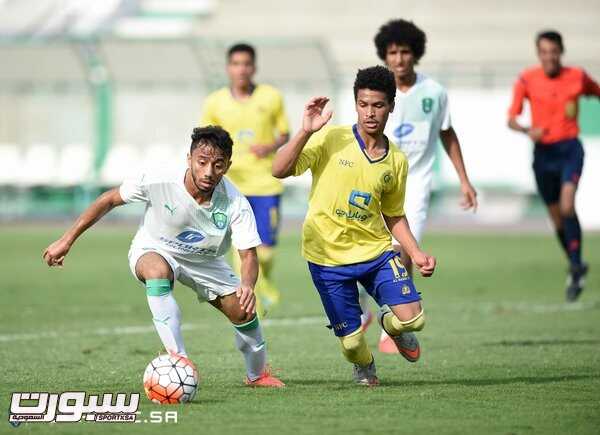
576, 281
366, 375
265, 380
406, 344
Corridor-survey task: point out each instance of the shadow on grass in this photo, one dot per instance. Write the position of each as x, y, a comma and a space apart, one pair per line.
526, 343
530, 380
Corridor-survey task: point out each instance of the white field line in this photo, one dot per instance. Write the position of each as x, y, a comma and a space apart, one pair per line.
147, 329
484, 308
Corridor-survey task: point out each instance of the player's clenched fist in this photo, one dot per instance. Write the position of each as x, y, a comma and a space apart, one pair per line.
426, 263
55, 254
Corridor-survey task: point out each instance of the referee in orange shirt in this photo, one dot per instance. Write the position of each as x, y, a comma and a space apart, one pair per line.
553, 91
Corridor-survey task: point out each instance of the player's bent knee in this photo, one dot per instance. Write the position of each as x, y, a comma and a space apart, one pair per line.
153, 266
567, 211
355, 348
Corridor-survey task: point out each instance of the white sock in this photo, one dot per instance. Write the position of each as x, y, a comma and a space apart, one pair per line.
249, 340
167, 321
363, 300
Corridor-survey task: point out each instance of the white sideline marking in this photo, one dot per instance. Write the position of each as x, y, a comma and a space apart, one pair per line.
485, 308
147, 329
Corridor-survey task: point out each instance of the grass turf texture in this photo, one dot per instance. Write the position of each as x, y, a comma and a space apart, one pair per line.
502, 352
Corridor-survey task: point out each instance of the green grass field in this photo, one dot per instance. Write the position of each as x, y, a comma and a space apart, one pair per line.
502, 352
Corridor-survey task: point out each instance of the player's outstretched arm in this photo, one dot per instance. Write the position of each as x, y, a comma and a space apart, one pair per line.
313, 119
398, 226
54, 255
249, 275
452, 146
262, 151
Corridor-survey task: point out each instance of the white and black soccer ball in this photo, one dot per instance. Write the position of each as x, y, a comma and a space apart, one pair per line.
171, 379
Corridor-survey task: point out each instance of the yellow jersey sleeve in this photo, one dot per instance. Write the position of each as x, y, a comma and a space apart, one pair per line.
280, 119
392, 201
208, 112
310, 156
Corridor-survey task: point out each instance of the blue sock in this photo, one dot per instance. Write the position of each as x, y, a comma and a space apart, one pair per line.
573, 239
560, 233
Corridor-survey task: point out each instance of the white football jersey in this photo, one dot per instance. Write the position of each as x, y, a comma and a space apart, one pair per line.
176, 223
414, 125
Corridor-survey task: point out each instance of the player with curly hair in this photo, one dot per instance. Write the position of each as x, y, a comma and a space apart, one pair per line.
359, 180
420, 118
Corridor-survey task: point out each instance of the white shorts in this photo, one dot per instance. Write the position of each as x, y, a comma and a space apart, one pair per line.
209, 279
416, 206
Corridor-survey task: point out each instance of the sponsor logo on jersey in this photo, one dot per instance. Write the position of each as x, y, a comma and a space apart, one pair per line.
404, 129
220, 220
344, 162
427, 104
359, 200
190, 236
245, 136
187, 248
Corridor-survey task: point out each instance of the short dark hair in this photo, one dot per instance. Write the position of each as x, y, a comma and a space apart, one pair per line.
400, 32
242, 47
550, 35
376, 78
212, 135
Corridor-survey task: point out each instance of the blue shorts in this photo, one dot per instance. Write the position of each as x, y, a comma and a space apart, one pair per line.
555, 164
384, 278
266, 212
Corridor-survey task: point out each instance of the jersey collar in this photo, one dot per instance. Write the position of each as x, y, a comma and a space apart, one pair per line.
362, 146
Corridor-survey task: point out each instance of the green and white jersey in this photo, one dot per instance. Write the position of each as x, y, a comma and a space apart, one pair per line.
175, 223
414, 125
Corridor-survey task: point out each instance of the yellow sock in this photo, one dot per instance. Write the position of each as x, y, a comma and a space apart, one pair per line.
394, 326
265, 289
355, 348
266, 293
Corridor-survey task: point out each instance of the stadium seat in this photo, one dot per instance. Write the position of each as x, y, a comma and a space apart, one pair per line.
10, 164
157, 156
74, 164
123, 161
39, 166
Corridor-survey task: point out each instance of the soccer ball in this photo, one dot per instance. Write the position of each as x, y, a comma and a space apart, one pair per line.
170, 379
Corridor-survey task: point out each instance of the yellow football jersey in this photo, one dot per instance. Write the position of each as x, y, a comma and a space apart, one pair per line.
349, 193
253, 121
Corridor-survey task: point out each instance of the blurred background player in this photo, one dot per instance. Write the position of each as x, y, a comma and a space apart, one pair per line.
420, 118
192, 217
358, 186
255, 117
553, 91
